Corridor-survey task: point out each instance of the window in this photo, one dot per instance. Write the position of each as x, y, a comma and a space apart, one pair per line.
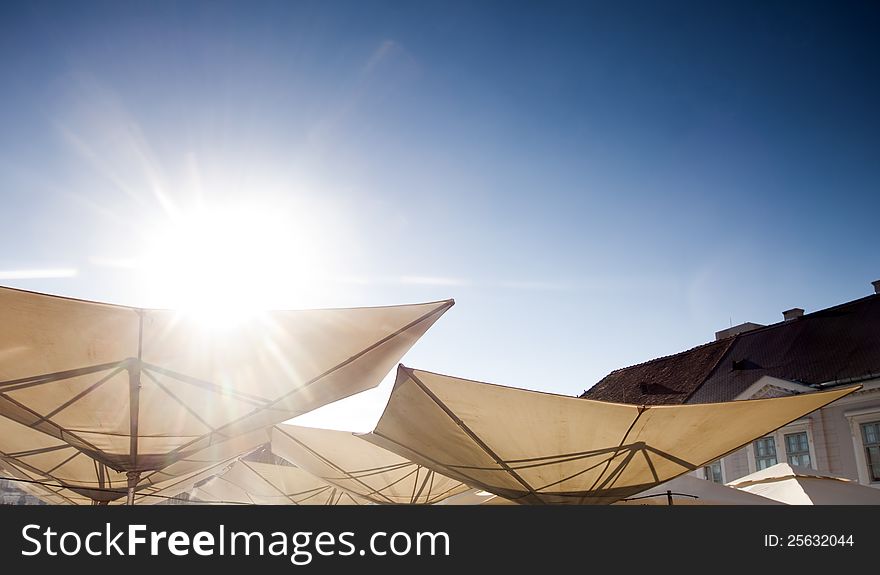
797, 449
765, 453
713, 472
871, 441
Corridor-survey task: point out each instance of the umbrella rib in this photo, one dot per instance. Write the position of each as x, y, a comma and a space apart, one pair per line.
21, 464
448, 468
650, 465
310, 493
39, 451
366, 350
313, 491
563, 457
396, 481
178, 400
124, 434
612, 477
16, 464
98, 475
573, 475
412, 498
188, 477
381, 469
577, 457
470, 433
272, 485
241, 396
34, 380
428, 477
61, 430
441, 495
684, 463
331, 464
641, 410
64, 462
80, 395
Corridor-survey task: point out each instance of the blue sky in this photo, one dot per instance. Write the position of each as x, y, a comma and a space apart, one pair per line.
596, 184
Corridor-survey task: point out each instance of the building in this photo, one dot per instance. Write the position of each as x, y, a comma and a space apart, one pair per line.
12, 494
801, 354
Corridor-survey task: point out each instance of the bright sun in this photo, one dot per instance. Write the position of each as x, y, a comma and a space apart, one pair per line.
231, 261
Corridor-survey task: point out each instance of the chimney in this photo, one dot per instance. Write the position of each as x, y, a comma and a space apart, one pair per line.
792, 313
876, 285
736, 330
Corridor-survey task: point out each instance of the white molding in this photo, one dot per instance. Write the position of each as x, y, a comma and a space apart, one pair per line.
767, 380
864, 411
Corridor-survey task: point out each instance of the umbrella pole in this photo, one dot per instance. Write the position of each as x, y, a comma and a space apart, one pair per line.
669, 496
133, 478
134, 396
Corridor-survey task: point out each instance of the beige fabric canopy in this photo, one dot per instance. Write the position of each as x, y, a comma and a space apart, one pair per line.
48, 493
690, 490
45, 465
137, 390
476, 497
32, 451
541, 448
803, 486
257, 483
182, 475
350, 463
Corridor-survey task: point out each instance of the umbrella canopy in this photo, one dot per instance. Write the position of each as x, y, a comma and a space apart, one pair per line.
46, 466
257, 483
136, 390
690, 490
803, 486
182, 475
476, 497
49, 493
541, 448
350, 463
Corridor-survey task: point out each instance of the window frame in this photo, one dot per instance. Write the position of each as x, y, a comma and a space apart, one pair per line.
753, 461
720, 462
809, 452
856, 418
799, 426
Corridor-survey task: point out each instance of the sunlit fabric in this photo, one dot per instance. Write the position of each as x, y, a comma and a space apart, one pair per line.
539, 448
137, 390
345, 460
804, 486
690, 490
256, 483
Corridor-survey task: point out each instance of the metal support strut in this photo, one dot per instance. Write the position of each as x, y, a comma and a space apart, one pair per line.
133, 478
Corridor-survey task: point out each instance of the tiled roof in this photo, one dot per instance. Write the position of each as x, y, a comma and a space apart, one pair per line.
838, 343
667, 380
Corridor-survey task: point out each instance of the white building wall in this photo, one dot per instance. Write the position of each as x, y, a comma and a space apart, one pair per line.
835, 439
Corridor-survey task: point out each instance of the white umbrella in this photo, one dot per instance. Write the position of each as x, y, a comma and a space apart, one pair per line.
134, 391
359, 467
259, 483
804, 486
690, 490
540, 448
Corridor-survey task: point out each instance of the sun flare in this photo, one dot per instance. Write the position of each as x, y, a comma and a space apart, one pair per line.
225, 263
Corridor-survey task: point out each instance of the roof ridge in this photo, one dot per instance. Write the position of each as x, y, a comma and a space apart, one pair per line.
662, 357
715, 365
806, 316
731, 338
